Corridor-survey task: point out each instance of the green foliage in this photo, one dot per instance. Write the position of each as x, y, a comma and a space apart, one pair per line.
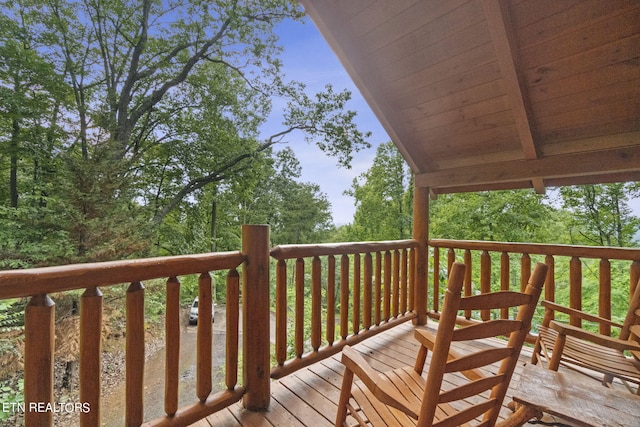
383, 198
600, 214
507, 216
129, 124
11, 395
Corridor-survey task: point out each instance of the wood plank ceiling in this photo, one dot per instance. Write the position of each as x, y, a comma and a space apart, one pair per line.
491, 94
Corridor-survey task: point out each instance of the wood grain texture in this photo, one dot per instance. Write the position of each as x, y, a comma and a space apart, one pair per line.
576, 398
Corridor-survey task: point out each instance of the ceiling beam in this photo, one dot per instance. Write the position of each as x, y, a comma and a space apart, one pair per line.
502, 34
618, 160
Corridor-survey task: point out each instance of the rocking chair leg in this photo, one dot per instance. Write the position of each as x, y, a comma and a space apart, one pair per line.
345, 395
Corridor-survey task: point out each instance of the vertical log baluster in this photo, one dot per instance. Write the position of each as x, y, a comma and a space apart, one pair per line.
90, 350
233, 330
356, 293
378, 289
467, 279
485, 281
39, 328
550, 282
172, 346
134, 408
368, 289
451, 258
386, 308
281, 312
505, 277
344, 296
299, 329
575, 288
604, 299
331, 299
395, 289
436, 279
413, 254
525, 271
316, 303
204, 338
403, 281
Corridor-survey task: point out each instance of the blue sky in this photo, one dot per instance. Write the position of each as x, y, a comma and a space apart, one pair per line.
308, 58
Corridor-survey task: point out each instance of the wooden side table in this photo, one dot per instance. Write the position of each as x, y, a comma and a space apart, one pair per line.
573, 397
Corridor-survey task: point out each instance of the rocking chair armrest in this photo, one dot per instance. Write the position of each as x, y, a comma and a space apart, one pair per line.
353, 361
603, 340
427, 339
551, 306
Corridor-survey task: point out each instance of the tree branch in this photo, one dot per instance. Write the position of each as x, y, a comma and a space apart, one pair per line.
219, 174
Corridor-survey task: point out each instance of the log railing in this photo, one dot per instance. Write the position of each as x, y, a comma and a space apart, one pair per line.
326, 296
373, 284
565, 257
42, 284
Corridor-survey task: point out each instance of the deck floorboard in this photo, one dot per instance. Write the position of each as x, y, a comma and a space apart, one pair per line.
309, 396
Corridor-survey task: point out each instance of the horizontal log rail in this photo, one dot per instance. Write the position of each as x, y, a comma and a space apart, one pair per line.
41, 284
372, 284
570, 257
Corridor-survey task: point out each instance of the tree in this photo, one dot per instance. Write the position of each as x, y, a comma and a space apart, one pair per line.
166, 104
601, 214
509, 216
383, 198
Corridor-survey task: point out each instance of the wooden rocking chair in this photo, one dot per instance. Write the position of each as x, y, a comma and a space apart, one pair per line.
404, 397
574, 347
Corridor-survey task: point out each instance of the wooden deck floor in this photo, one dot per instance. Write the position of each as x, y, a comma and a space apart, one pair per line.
309, 396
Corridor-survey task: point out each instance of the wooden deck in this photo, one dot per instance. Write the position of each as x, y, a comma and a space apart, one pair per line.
309, 396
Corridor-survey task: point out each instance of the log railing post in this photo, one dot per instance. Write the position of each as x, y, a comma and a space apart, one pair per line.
90, 351
38, 360
255, 317
421, 234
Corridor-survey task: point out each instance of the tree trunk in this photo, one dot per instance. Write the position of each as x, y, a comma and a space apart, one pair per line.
13, 175
214, 220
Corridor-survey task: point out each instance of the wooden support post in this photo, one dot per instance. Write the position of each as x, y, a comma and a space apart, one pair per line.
421, 234
38, 360
90, 351
255, 317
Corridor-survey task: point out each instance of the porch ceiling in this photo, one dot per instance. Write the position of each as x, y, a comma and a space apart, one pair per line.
490, 94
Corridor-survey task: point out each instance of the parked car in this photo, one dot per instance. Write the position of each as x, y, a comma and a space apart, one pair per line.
193, 313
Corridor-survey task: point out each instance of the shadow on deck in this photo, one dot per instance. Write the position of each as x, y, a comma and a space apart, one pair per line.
309, 396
